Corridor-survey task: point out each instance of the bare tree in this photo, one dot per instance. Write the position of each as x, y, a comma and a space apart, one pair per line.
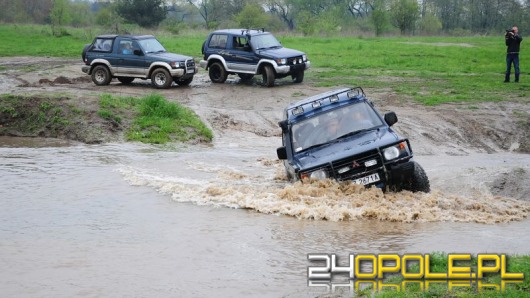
284, 10
360, 8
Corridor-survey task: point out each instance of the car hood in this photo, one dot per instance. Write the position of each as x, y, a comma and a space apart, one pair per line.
169, 56
280, 53
346, 147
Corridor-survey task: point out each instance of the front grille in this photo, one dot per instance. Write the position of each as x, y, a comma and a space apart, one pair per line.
295, 60
190, 63
355, 166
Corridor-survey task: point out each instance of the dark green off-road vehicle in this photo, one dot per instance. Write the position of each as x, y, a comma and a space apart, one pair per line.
129, 57
340, 135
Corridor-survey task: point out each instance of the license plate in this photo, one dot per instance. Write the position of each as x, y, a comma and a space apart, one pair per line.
191, 70
367, 179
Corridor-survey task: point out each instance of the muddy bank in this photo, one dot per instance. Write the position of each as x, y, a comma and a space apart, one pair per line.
57, 117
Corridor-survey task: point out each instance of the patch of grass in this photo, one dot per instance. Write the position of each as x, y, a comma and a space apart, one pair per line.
161, 121
154, 119
108, 115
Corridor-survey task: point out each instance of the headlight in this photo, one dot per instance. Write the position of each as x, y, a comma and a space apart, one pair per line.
391, 153
317, 175
281, 61
177, 64
304, 57
395, 151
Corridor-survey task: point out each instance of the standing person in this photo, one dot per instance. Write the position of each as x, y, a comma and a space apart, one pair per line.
513, 42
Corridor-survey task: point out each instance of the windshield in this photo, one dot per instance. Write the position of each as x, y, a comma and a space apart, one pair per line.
151, 45
264, 41
333, 124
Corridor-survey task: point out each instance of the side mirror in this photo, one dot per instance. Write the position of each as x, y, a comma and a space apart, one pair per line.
391, 118
283, 125
138, 53
282, 153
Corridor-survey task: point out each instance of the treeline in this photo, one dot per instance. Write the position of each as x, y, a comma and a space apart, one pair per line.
310, 17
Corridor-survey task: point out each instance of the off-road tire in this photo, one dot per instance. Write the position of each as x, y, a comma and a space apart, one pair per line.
125, 80
217, 73
184, 82
245, 77
161, 79
298, 77
268, 76
101, 75
418, 181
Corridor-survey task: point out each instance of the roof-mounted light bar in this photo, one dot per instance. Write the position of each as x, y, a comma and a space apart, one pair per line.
318, 100
354, 92
298, 111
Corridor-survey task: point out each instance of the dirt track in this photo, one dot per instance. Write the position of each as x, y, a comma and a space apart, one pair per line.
235, 110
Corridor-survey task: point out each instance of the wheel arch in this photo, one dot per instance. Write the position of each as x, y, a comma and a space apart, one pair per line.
97, 62
156, 65
216, 58
263, 63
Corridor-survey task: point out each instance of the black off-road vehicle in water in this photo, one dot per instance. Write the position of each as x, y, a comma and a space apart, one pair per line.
128, 57
247, 52
340, 135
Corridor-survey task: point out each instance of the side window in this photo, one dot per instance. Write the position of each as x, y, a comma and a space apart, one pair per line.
240, 43
125, 47
218, 41
102, 45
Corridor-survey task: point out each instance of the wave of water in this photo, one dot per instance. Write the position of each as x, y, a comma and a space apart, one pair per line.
331, 200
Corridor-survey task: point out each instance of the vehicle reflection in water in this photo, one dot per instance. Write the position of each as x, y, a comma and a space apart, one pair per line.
71, 225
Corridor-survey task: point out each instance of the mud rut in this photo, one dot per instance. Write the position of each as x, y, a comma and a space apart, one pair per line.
476, 158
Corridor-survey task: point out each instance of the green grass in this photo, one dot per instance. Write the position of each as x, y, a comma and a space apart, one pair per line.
156, 120
430, 70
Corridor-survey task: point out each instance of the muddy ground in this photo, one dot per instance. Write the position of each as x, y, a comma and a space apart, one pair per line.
235, 110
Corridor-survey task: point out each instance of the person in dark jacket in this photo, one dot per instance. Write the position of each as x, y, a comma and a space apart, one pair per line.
513, 42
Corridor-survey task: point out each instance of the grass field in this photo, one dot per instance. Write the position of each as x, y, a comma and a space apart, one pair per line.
431, 70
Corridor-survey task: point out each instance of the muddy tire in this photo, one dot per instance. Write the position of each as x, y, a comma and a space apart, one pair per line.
268, 76
125, 80
184, 82
101, 75
298, 77
217, 73
245, 76
419, 180
161, 79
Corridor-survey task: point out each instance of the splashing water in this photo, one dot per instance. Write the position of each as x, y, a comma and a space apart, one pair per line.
331, 200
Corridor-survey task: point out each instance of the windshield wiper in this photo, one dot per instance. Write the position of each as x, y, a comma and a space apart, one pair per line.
314, 146
356, 132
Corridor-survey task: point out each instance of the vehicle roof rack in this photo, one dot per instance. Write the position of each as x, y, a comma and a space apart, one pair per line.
247, 31
316, 100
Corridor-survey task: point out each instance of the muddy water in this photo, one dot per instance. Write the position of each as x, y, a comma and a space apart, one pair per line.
122, 220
